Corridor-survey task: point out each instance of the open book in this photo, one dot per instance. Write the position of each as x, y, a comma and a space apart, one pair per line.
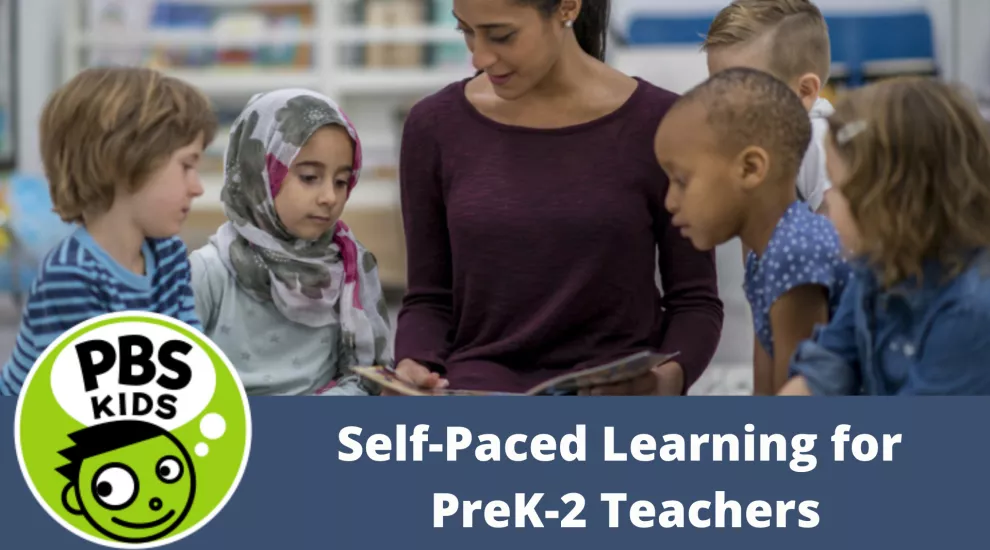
621, 370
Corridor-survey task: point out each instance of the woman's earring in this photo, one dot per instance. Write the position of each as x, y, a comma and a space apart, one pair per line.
568, 23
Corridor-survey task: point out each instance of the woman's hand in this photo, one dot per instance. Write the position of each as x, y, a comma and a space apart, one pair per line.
418, 375
666, 379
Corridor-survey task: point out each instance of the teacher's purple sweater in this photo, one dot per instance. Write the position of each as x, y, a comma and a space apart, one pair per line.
532, 251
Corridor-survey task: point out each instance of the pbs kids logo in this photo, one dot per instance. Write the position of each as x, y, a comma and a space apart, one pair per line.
132, 430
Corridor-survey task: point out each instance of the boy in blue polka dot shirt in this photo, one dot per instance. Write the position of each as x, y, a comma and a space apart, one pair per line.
732, 148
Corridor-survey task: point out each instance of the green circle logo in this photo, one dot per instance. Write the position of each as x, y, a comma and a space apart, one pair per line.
132, 430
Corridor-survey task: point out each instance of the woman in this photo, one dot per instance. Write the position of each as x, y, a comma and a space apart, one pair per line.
533, 212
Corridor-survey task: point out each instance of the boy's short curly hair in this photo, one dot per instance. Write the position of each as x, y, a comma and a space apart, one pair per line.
747, 107
796, 31
110, 128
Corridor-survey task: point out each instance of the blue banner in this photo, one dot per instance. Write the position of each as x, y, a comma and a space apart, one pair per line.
516, 472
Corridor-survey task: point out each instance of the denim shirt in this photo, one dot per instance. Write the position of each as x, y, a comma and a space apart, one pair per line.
927, 340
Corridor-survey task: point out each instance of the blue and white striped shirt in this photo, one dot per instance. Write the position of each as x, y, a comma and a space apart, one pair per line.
78, 280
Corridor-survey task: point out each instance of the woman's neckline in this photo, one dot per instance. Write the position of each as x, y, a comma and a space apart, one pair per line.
461, 89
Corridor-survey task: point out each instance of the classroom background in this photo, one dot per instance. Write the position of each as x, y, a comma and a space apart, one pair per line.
377, 57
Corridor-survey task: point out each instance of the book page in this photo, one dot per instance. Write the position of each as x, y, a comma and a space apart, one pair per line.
621, 370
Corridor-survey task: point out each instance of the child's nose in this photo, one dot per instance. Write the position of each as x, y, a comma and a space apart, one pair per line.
196, 187
328, 197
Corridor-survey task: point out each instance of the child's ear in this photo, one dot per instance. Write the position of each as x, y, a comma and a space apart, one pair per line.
808, 87
70, 499
754, 165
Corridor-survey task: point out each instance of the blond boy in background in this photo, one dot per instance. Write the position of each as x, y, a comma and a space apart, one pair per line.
788, 39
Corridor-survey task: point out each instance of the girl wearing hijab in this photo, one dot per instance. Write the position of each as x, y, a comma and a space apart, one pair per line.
283, 287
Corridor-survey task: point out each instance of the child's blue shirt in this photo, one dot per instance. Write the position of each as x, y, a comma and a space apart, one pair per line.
78, 280
803, 250
909, 340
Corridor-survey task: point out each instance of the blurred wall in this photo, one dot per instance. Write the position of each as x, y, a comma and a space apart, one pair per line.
963, 44
38, 29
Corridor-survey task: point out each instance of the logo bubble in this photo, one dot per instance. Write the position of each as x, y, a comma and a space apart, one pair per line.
144, 395
119, 380
212, 426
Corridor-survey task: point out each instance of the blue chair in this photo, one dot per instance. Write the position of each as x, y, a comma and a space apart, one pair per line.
878, 45
863, 46
654, 30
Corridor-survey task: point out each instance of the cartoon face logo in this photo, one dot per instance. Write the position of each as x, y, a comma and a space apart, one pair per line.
132, 430
132, 480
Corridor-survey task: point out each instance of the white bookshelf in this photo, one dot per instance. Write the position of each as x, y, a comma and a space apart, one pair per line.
371, 96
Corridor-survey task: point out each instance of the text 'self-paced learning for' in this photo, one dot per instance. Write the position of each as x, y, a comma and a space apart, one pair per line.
520, 510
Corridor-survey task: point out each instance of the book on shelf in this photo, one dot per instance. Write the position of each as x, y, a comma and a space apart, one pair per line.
131, 17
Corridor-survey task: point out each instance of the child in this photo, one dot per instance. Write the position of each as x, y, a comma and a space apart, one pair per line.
788, 39
731, 148
121, 147
283, 287
911, 202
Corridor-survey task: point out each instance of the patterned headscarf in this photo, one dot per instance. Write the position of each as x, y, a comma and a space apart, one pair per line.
328, 281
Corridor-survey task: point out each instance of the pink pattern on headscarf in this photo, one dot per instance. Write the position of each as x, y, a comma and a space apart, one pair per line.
348, 250
349, 254
276, 173
357, 152
326, 388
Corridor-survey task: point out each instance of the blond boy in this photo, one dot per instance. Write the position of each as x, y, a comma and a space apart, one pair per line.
788, 39
121, 148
